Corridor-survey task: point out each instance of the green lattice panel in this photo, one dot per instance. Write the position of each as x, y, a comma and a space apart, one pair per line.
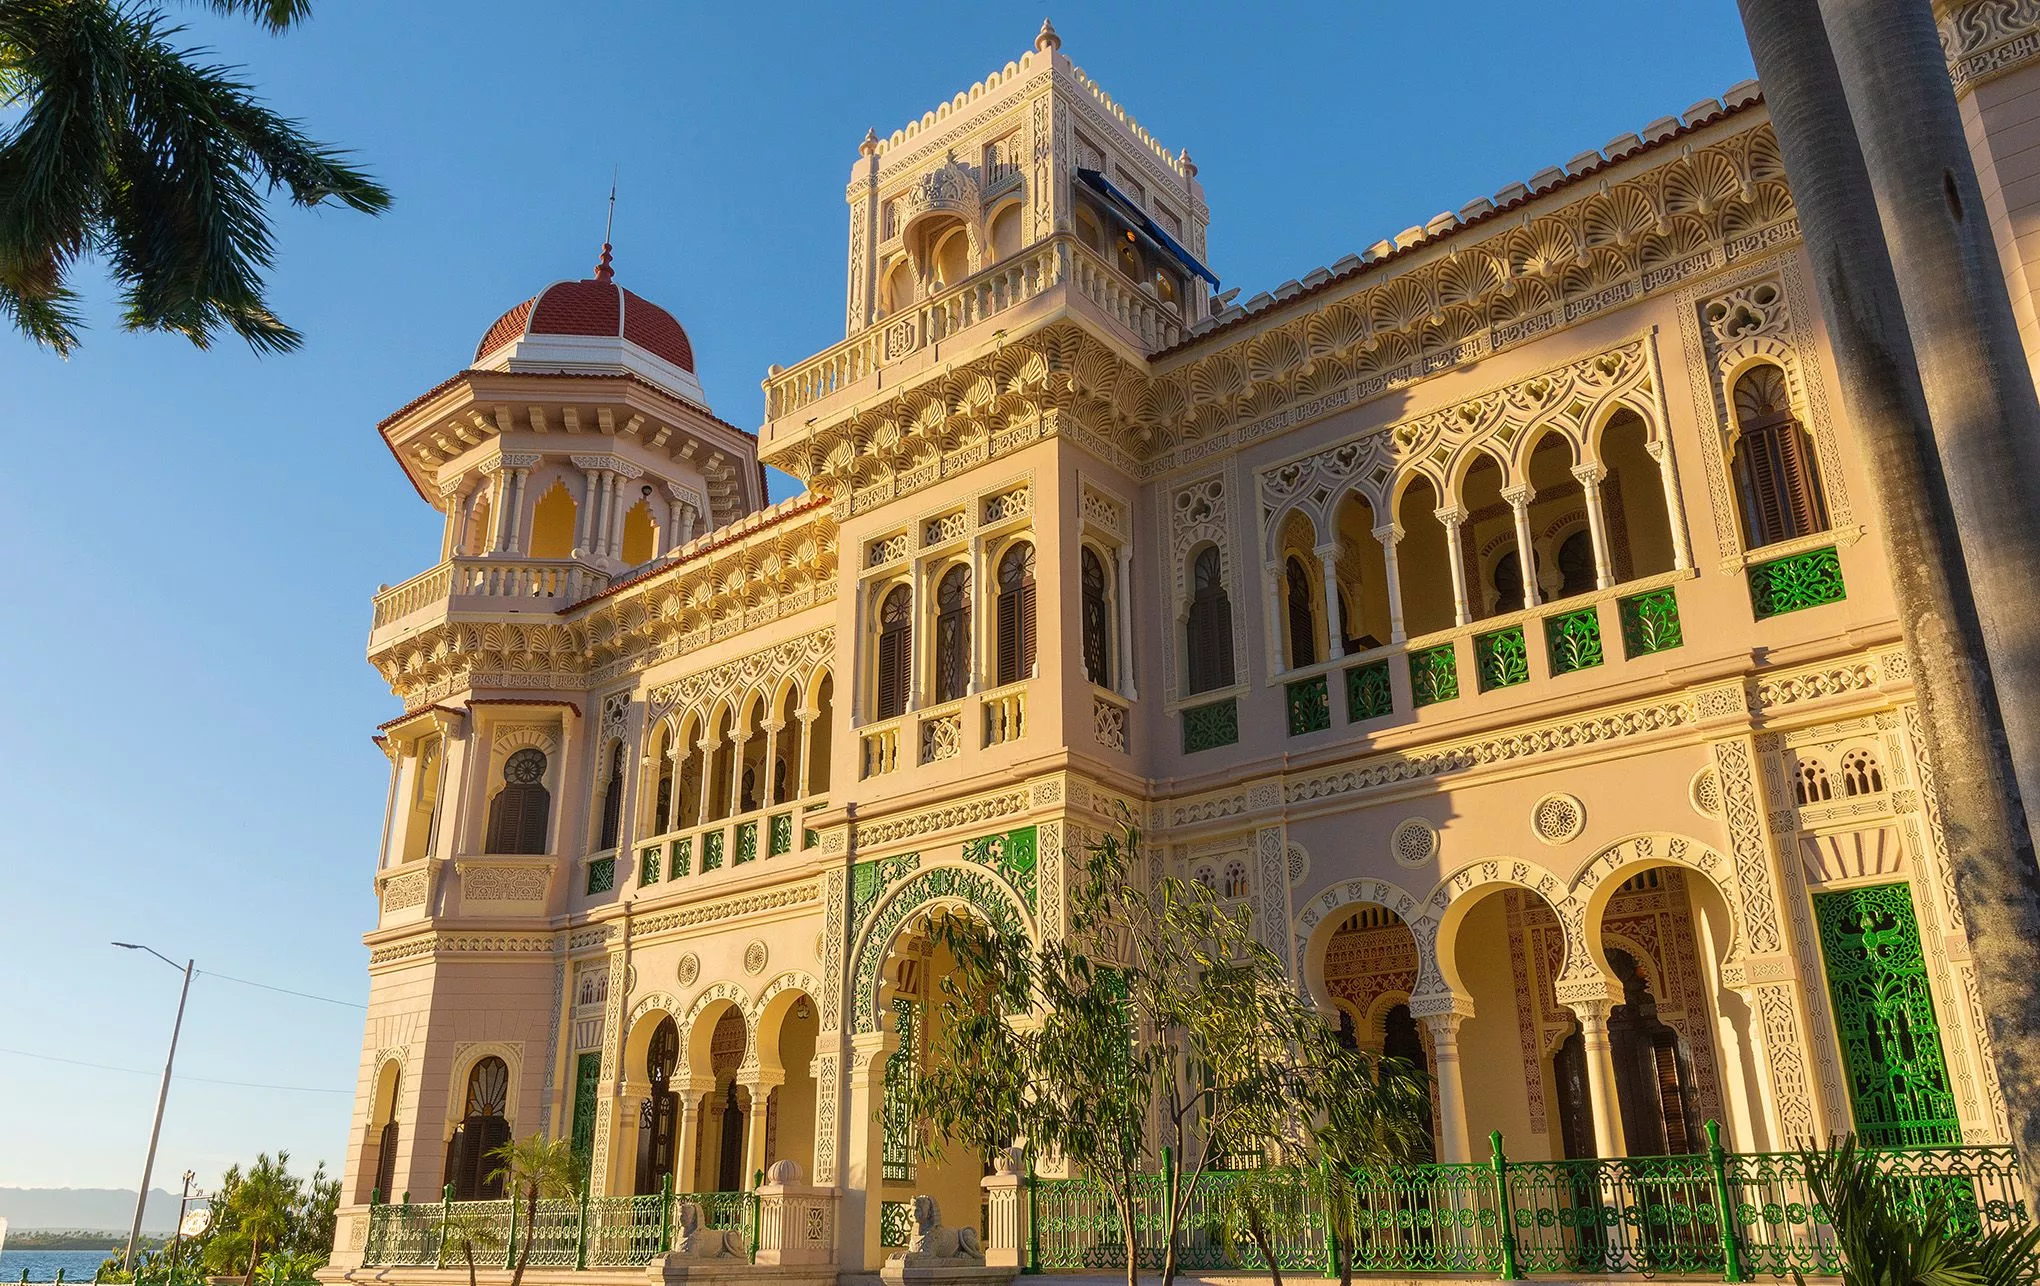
782, 835
747, 843
1501, 659
1368, 695
1650, 622
1210, 726
896, 1110
587, 1089
1434, 675
1799, 581
649, 864
1310, 706
711, 850
1574, 640
683, 858
1891, 1043
601, 875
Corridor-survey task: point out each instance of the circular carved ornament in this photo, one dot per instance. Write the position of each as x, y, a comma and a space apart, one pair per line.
1299, 864
525, 767
821, 946
755, 957
1705, 793
688, 970
1558, 818
1414, 841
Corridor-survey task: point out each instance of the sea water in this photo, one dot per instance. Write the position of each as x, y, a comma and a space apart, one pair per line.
42, 1265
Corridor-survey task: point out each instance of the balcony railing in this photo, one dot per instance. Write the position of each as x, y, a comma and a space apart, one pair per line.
761, 833
1060, 260
511, 582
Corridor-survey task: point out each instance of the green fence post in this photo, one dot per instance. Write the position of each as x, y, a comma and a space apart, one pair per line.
445, 1213
665, 1213
1724, 1207
1331, 1227
1168, 1201
1032, 1183
581, 1232
510, 1242
1504, 1211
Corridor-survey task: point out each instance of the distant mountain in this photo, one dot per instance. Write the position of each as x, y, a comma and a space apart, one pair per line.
97, 1209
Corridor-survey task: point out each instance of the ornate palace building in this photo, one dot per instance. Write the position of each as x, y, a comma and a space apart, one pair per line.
1499, 613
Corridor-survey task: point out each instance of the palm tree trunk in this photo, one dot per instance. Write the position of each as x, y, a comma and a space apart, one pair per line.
467, 1250
1259, 1232
254, 1257
530, 1232
1939, 608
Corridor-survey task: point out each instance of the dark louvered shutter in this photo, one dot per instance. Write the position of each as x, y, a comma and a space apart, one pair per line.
952, 636
1016, 614
1208, 646
895, 636
386, 1159
1096, 621
612, 802
1302, 621
1776, 472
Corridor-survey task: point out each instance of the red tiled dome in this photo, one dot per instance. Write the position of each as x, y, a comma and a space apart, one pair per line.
593, 306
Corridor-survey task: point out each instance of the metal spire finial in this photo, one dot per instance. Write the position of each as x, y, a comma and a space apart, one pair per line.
603, 270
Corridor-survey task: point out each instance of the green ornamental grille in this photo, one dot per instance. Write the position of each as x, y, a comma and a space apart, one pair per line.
1367, 692
1898, 1081
1650, 622
711, 850
587, 1088
782, 834
1501, 659
1310, 706
648, 865
683, 858
747, 842
1206, 727
1802, 580
1434, 675
602, 875
1574, 640
896, 1114
895, 1223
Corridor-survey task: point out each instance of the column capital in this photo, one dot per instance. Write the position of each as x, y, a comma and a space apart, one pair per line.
1656, 448
1330, 549
1593, 1014
772, 725
1590, 474
1451, 515
1389, 533
1442, 1006
1520, 495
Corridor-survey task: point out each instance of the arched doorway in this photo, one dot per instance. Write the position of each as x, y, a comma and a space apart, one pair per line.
723, 1112
1369, 967
379, 1161
787, 1030
484, 1127
659, 1112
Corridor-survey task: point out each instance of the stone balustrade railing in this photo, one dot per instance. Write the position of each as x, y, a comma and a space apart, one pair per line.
1060, 260
558, 581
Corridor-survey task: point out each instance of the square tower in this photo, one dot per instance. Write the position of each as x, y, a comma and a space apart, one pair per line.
1034, 149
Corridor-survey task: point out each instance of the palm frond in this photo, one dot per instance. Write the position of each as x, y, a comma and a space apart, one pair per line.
276, 15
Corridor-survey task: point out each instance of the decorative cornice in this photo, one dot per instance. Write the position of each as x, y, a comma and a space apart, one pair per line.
785, 897
440, 945
1983, 39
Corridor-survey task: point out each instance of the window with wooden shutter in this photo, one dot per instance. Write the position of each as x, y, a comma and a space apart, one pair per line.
1777, 474
895, 636
519, 812
612, 800
1302, 621
1016, 614
952, 635
1096, 619
1208, 641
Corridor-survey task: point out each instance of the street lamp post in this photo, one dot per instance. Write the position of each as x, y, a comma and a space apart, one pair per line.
127, 1259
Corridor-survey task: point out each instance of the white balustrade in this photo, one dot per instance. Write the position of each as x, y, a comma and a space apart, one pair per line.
561, 581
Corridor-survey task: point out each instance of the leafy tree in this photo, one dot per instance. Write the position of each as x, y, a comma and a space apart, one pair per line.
534, 1168
125, 146
472, 1231
1900, 1233
1367, 1113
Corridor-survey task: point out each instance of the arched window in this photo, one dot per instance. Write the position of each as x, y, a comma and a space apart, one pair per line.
1861, 774
1812, 782
1777, 477
387, 1137
1016, 614
1576, 564
1235, 880
659, 1114
895, 645
1207, 879
1096, 619
612, 800
1508, 583
1302, 621
520, 810
1208, 636
483, 1128
952, 635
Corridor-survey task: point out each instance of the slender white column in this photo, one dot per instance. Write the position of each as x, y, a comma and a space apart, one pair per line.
584, 518
1519, 498
612, 502
1453, 517
980, 617
676, 533
769, 796
1590, 476
1593, 1016
1328, 564
1453, 1144
1390, 536
1124, 600
803, 786
1675, 510
516, 508
1271, 599
499, 534
708, 749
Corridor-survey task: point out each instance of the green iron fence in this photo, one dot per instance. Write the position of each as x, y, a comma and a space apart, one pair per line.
570, 1232
1736, 1216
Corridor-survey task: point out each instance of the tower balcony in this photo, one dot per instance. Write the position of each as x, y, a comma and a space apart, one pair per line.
485, 585
1056, 278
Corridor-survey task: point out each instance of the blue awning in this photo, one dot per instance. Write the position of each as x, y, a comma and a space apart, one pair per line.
1130, 211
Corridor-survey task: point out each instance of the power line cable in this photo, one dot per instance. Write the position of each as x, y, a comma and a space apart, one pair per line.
306, 995
177, 1076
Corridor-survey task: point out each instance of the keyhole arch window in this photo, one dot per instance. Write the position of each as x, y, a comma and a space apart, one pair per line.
1016, 612
1812, 783
611, 829
1208, 631
519, 813
895, 652
1777, 471
1095, 616
1302, 618
1861, 774
952, 634
484, 1126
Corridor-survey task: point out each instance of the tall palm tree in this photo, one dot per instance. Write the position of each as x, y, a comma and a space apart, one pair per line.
129, 148
264, 1201
531, 1169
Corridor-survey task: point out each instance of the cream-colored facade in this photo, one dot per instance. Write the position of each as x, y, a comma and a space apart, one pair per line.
681, 775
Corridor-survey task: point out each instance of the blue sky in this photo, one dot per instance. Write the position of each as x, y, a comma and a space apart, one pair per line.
195, 537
